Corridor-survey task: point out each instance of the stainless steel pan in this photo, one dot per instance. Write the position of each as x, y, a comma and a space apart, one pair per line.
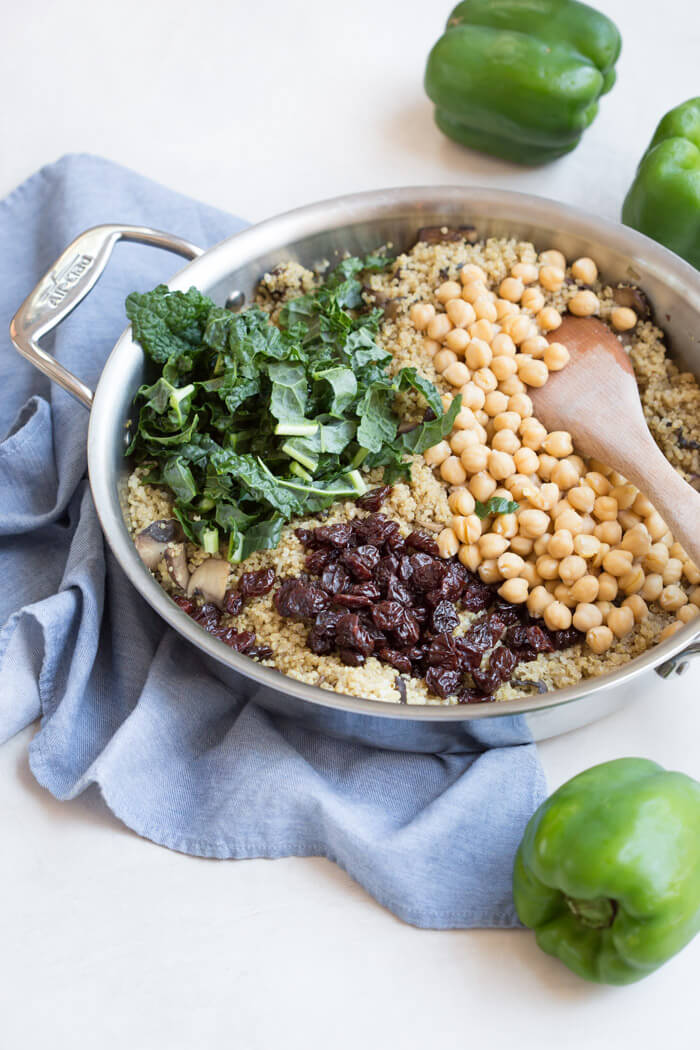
229, 273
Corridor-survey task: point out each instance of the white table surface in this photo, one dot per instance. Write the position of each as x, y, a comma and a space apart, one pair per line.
107, 940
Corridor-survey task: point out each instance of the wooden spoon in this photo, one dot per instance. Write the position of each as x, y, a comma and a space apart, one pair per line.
595, 398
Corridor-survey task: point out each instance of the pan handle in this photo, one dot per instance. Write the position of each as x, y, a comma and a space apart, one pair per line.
679, 662
72, 276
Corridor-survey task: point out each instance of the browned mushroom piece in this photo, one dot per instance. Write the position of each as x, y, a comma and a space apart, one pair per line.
390, 306
151, 542
634, 298
536, 683
210, 580
176, 562
441, 234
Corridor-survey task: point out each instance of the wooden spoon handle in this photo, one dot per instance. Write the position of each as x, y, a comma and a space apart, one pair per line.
676, 501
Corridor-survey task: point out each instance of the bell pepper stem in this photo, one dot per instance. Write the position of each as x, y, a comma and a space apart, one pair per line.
597, 914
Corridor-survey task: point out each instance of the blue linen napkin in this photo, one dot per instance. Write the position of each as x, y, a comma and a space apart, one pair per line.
126, 704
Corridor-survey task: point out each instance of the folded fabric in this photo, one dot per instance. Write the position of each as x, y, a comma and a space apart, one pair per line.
126, 704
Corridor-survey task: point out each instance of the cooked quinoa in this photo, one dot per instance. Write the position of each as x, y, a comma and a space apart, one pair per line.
671, 402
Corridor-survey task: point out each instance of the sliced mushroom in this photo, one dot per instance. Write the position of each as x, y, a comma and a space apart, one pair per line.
440, 234
536, 683
210, 579
176, 561
634, 298
152, 541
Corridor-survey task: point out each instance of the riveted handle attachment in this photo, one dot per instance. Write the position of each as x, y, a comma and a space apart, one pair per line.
69, 280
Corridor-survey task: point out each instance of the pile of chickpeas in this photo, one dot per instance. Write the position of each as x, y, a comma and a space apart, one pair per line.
584, 548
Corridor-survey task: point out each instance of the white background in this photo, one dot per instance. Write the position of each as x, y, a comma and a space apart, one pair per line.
107, 940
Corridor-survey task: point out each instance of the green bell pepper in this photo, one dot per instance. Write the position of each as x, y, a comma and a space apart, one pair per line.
608, 871
521, 78
664, 200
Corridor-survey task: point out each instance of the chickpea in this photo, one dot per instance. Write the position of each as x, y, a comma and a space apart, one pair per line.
558, 443
556, 357
475, 459
526, 272
532, 300
691, 572
488, 571
491, 545
560, 544
448, 544
446, 400
672, 597
633, 580
605, 508
598, 482
471, 272
673, 571
569, 519
482, 486
522, 545
460, 313
466, 527
656, 526
486, 314
564, 475
464, 420
670, 629
597, 559
553, 257
586, 546
608, 532
509, 565
521, 404
505, 308
532, 433
505, 440
551, 278
526, 460
548, 318
582, 498
583, 304
636, 540
511, 288
500, 465
617, 562
452, 471
495, 402
577, 463
457, 373
607, 587
504, 367
547, 567
507, 420
457, 341
620, 621
599, 639
584, 270
512, 385
638, 606
628, 519
431, 347
585, 589
586, 616
541, 543
505, 525
625, 495
547, 496
656, 558
533, 523
538, 600
557, 616
571, 569
469, 556
461, 501
562, 593
623, 318
678, 551
514, 590
448, 290
605, 608
436, 454
688, 612
502, 345
642, 506
545, 466
473, 397
443, 359
652, 587
694, 594
482, 419
532, 372
421, 315
600, 468
534, 345
439, 327
473, 290
482, 329
485, 379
